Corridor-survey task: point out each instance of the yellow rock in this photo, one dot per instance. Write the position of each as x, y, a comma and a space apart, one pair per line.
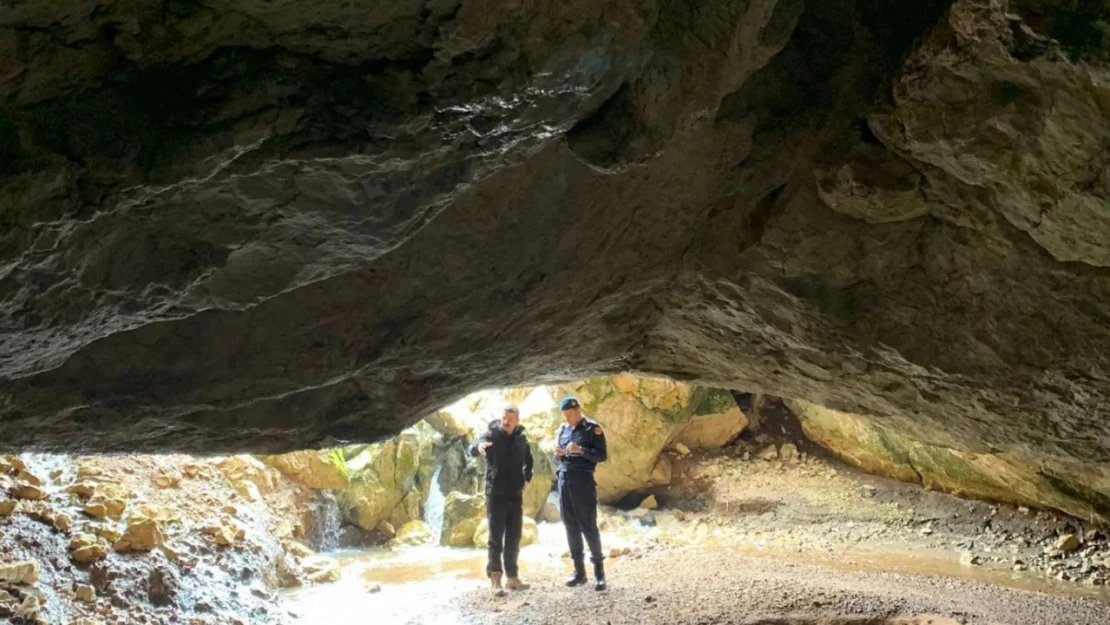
108, 533
249, 469
225, 532
25, 572
662, 473
247, 490
166, 481
649, 503
626, 383
191, 470
24, 490
414, 533
82, 489
28, 477
320, 569
314, 469
85, 593
63, 522
297, 549
7, 507
143, 535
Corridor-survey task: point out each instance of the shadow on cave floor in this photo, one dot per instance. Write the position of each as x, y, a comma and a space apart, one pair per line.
805, 543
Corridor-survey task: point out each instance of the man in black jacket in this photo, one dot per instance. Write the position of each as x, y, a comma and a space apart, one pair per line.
508, 468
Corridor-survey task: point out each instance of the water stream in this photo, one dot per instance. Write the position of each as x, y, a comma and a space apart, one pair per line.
433, 507
327, 523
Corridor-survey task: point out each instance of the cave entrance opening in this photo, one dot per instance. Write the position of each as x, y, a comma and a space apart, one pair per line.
704, 491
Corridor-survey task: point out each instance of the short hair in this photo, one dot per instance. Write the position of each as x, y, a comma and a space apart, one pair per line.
513, 409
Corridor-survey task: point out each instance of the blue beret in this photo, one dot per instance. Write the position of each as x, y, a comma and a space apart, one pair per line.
569, 402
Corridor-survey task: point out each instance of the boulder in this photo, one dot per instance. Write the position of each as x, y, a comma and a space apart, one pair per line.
543, 471
24, 572
662, 472
320, 569
462, 514
638, 416
1067, 543
788, 452
86, 548
384, 474
225, 532
85, 593
319, 469
27, 490
106, 508
239, 469
414, 533
714, 424
529, 533
141, 535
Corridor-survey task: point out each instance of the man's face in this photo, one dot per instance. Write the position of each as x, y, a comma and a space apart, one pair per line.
573, 416
509, 421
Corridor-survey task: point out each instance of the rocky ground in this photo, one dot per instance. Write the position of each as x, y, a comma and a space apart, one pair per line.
151, 540
756, 535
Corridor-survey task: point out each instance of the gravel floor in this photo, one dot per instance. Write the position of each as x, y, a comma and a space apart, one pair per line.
697, 586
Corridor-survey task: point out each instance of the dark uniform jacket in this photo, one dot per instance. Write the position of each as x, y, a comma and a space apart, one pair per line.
508, 461
590, 438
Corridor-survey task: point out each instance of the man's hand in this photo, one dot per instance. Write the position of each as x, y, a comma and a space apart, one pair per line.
559, 451
574, 448
482, 447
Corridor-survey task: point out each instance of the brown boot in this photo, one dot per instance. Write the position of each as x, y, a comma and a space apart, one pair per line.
495, 584
514, 583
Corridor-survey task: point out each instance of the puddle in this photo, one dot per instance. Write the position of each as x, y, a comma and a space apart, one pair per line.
417, 584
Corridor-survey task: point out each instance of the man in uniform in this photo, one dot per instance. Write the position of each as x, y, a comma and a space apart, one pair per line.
581, 445
508, 468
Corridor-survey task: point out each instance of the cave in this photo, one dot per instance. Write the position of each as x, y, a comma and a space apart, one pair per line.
250, 228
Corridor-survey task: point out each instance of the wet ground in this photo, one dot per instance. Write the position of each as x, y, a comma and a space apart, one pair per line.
755, 542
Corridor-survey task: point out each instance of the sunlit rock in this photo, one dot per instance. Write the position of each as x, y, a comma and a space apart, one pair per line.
315, 469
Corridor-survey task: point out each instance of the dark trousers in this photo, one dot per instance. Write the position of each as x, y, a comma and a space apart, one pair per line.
506, 518
578, 508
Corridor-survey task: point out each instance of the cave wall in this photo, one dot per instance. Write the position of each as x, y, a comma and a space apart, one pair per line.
244, 227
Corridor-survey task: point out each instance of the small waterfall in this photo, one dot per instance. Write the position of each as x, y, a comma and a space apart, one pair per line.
433, 507
327, 520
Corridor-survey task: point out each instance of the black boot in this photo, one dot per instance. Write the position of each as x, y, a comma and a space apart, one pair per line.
579, 576
599, 576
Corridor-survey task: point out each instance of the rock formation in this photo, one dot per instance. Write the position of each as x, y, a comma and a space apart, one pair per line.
236, 226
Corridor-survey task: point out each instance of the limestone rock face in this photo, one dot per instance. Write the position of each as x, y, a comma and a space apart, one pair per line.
414, 533
244, 227
641, 415
383, 475
314, 469
1010, 477
462, 514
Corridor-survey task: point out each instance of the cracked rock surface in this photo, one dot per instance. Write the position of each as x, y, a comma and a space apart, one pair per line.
244, 225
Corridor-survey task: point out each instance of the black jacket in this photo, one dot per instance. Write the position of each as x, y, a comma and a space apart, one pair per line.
508, 461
